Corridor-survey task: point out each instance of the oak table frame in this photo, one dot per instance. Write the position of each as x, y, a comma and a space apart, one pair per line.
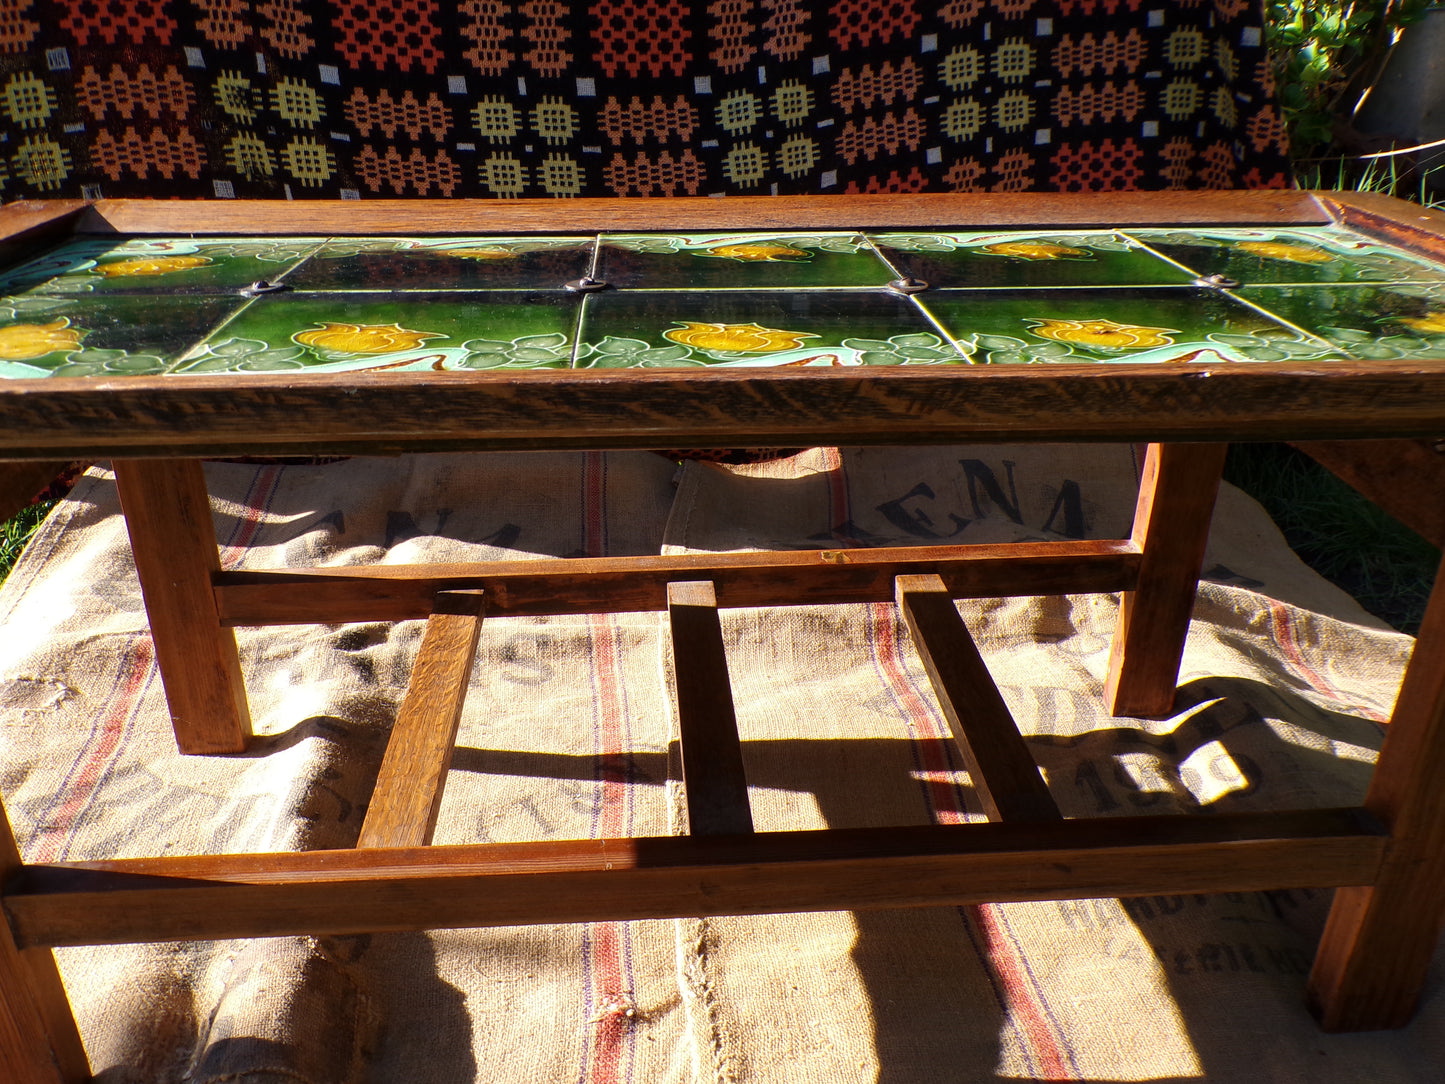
1387, 857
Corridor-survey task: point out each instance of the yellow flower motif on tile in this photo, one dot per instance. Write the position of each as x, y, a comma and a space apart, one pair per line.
775, 253
1278, 250
144, 266
1433, 322
1033, 250
21, 342
1104, 333
364, 338
736, 338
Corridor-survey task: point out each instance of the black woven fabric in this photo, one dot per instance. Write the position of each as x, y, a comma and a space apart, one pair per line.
407, 98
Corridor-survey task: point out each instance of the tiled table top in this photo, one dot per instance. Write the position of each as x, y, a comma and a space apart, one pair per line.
104, 306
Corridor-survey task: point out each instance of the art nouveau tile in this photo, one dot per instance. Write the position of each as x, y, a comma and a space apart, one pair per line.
139, 265
47, 335
445, 263
1303, 254
661, 329
1025, 259
739, 261
350, 331
1163, 324
1404, 320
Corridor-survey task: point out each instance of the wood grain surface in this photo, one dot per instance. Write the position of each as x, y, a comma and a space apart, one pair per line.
714, 780
355, 891
173, 539
412, 779
632, 584
922, 210
1000, 767
434, 411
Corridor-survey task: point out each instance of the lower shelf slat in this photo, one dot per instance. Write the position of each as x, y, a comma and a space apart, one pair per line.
355, 891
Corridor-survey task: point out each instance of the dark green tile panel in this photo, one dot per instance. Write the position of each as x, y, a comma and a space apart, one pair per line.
658, 329
1369, 322
1013, 259
1302, 255
139, 265
736, 261
1162, 324
350, 331
452, 263
94, 336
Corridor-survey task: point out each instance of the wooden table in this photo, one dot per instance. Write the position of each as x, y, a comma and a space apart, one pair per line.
1387, 857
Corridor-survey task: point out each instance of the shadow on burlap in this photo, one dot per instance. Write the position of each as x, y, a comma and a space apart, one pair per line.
569, 733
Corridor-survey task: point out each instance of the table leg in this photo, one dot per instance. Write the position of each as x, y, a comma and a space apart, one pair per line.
1379, 939
39, 1043
168, 515
1171, 527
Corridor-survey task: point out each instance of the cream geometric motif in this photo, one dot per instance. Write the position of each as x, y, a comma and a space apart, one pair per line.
1225, 58
495, 118
963, 119
561, 176
554, 120
504, 175
1224, 107
250, 157
738, 112
745, 165
797, 155
1013, 111
27, 101
1013, 60
961, 68
297, 103
41, 162
1181, 99
235, 95
308, 161
1185, 47
792, 102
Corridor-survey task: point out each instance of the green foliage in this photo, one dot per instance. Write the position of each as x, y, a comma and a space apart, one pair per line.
16, 531
1324, 56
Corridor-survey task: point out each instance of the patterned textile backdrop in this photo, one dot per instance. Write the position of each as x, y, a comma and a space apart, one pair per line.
359, 99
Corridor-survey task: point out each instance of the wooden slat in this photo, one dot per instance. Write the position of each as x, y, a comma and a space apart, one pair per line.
356, 891
1405, 478
712, 759
930, 211
380, 413
409, 786
1395, 221
21, 480
631, 584
27, 220
1000, 766
39, 1042
168, 515
1171, 527
1379, 941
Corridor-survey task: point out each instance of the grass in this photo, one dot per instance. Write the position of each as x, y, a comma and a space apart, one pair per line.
1338, 533
17, 531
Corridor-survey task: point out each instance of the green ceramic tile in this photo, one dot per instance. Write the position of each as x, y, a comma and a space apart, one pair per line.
1321, 254
659, 329
1146, 325
1015, 259
449, 263
95, 265
43, 335
343, 332
1384, 322
739, 261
